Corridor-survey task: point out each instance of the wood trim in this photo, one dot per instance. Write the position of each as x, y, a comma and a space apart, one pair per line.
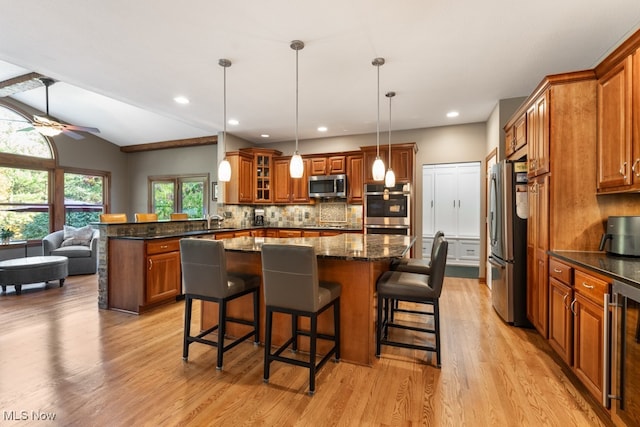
393, 145
625, 49
19, 161
177, 143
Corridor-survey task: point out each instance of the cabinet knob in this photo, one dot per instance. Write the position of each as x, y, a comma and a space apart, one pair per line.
623, 170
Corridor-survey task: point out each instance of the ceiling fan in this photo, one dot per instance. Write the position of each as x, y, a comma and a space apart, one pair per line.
49, 126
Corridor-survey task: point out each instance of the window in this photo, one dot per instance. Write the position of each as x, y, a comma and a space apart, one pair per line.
186, 194
24, 202
84, 195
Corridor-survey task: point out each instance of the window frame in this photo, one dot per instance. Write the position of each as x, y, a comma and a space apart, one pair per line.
177, 181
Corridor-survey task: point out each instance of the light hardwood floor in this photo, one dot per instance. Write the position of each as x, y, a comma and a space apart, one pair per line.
62, 356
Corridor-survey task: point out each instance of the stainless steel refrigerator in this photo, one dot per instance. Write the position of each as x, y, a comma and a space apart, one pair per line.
508, 211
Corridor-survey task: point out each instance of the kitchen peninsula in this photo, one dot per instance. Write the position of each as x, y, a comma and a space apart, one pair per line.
353, 260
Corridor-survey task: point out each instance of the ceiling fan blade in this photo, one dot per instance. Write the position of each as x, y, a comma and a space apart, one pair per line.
26, 129
14, 120
72, 134
81, 128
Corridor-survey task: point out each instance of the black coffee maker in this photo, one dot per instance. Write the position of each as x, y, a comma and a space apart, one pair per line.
258, 216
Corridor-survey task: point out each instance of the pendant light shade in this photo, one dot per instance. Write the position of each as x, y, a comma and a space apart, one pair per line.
378, 164
390, 177
296, 166
224, 168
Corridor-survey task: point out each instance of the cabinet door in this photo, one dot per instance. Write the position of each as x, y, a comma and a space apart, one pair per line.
614, 127
468, 193
402, 164
428, 209
245, 180
163, 277
354, 179
446, 201
282, 183
588, 343
520, 132
300, 186
263, 173
542, 134
561, 319
318, 166
509, 142
336, 165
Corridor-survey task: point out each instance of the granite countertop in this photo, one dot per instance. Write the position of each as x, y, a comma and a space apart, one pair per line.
363, 247
625, 269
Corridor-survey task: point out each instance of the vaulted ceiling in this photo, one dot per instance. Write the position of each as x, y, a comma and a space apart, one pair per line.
119, 64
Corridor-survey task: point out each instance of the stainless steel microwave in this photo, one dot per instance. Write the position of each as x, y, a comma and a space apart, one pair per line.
328, 186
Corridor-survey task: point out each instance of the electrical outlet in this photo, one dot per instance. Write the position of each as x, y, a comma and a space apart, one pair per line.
306, 215
228, 214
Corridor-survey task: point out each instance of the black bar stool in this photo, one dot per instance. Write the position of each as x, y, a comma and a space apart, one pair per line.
205, 277
415, 265
290, 276
416, 288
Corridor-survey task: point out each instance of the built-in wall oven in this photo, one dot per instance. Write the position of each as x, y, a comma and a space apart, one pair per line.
624, 380
387, 210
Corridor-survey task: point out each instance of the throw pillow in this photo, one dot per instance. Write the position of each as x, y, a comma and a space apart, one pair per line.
77, 236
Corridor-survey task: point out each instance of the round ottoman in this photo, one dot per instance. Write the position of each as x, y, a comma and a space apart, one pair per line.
21, 271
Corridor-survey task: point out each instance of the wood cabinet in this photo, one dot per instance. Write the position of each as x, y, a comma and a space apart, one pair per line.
240, 188
560, 314
537, 246
143, 274
263, 176
516, 136
355, 186
588, 341
287, 189
618, 144
289, 233
402, 161
537, 119
328, 165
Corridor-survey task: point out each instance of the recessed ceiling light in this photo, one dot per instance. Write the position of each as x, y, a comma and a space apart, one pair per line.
322, 128
452, 114
181, 99
233, 122
265, 135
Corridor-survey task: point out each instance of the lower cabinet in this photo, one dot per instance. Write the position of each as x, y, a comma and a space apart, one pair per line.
576, 322
143, 273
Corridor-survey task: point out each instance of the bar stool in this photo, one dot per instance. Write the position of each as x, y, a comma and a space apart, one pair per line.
291, 285
175, 216
415, 265
113, 217
146, 217
415, 288
205, 277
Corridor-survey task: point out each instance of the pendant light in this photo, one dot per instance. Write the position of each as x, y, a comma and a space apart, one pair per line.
378, 164
296, 166
224, 168
390, 177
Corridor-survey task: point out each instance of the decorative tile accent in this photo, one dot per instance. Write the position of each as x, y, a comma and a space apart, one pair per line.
333, 213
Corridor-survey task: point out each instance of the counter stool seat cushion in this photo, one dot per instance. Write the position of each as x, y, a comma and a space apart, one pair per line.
410, 285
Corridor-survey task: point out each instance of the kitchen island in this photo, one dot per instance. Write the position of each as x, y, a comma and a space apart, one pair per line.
353, 260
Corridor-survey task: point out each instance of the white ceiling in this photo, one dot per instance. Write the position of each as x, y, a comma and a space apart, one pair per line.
120, 63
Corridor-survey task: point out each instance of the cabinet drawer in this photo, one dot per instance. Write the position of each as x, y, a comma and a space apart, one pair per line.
163, 246
560, 271
591, 287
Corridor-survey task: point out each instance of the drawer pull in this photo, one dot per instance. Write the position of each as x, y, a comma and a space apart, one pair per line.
587, 286
164, 246
555, 270
564, 301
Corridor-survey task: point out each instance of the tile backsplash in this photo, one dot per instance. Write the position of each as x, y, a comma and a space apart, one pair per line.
322, 213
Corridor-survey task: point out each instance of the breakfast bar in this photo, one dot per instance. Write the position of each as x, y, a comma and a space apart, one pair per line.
353, 260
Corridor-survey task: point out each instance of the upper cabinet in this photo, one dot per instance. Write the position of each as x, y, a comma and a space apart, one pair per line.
287, 189
328, 165
355, 187
240, 188
618, 144
538, 135
251, 176
516, 137
402, 161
